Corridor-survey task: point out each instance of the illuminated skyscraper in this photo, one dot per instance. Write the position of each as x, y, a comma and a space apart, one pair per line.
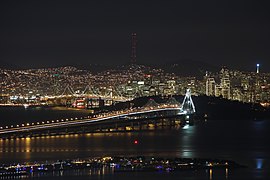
225, 83
226, 88
210, 87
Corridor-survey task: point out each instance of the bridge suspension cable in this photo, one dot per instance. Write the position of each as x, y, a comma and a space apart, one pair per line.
68, 89
188, 104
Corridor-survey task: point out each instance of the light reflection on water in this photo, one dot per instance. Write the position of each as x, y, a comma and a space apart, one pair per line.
108, 173
245, 142
259, 163
191, 142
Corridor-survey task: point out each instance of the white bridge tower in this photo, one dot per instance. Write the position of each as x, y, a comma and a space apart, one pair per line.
188, 104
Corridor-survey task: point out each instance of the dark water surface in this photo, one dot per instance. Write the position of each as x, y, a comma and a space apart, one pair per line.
246, 142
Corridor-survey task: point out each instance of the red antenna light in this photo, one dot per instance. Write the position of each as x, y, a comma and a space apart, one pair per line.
136, 141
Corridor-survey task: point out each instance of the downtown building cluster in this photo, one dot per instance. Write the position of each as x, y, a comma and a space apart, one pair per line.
20, 86
250, 87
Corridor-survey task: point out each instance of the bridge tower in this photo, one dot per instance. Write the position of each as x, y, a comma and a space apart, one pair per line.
188, 104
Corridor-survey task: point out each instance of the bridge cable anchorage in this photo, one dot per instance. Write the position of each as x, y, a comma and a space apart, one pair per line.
188, 104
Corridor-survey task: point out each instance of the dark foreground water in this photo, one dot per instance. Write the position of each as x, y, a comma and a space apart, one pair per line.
246, 142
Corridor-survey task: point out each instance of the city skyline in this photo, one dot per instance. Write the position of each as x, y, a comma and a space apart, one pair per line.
128, 82
140, 89
45, 34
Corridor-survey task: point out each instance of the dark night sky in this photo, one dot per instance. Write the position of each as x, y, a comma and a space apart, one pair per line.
53, 33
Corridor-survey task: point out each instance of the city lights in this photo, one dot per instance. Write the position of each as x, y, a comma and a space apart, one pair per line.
89, 90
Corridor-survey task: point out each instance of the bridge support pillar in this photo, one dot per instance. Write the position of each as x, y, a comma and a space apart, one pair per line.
155, 125
83, 129
162, 123
132, 126
140, 126
100, 129
147, 125
172, 123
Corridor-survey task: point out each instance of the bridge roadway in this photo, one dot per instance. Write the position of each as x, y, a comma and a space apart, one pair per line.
88, 121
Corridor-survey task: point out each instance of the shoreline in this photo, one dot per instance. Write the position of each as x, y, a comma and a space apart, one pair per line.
118, 164
43, 106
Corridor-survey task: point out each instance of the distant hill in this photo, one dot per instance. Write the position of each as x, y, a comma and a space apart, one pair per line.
7, 65
181, 67
188, 67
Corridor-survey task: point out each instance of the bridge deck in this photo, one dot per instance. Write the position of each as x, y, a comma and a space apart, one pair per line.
99, 118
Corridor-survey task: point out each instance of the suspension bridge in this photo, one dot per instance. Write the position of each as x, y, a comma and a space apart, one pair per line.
112, 93
114, 119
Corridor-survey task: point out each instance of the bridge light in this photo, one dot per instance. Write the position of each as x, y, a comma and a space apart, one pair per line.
27, 124
37, 122
22, 124
18, 125
6, 126
48, 121
11, 126
33, 123
43, 122
52, 121
1, 127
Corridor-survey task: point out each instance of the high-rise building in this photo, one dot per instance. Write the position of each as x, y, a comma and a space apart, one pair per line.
237, 94
226, 88
224, 73
210, 86
218, 90
225, 83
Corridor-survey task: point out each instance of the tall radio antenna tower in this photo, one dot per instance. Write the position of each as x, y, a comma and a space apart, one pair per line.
258, 68
133, 47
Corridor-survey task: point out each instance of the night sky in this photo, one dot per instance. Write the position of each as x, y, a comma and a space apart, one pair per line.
55, 33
